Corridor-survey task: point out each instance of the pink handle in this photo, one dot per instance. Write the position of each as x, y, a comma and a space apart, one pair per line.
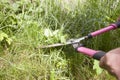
86, 51
111, 27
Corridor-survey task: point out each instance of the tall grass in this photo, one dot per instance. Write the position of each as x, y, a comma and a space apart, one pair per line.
30, 24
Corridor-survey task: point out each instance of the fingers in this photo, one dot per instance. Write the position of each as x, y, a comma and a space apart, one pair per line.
114, 51
102, 62
105, 65
111, 63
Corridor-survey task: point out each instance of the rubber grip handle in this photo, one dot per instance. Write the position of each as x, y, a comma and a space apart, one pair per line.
118, 24
86, 51
92, 53
99, 55
103, 30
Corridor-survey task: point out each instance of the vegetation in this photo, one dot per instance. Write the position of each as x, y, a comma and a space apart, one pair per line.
25, 25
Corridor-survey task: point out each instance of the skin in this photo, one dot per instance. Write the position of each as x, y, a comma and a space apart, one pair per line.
111, 62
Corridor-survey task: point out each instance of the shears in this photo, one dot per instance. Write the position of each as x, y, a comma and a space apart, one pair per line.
96, 54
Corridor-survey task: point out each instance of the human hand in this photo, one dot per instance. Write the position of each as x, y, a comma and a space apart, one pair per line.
111, 62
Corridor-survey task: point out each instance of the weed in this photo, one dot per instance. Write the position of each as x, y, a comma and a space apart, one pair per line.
25, 25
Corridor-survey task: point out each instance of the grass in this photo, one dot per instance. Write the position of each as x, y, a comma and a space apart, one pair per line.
30, 24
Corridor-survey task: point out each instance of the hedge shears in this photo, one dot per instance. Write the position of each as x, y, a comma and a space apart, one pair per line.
96, 54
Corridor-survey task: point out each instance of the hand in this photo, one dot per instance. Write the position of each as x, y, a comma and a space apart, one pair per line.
111, 62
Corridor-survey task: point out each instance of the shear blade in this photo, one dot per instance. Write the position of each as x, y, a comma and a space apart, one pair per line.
71, 41
53, 45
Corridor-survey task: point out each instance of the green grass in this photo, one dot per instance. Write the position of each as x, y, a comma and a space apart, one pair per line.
30, 24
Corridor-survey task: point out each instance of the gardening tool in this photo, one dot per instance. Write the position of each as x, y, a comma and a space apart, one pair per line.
94, 53
87, 51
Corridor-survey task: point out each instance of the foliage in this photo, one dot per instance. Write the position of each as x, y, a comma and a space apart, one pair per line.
4, 36
27, 24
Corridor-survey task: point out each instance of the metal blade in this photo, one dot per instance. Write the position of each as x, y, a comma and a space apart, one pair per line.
52, 45
71, 41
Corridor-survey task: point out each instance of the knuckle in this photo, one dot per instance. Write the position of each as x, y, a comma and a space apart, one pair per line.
101, 65
112, 72
108, 64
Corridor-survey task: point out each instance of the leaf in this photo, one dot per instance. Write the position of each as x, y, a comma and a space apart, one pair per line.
52, 75
62, 39
9, 40
3, 35
108, 18
55, 32
96, 67
48, 32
